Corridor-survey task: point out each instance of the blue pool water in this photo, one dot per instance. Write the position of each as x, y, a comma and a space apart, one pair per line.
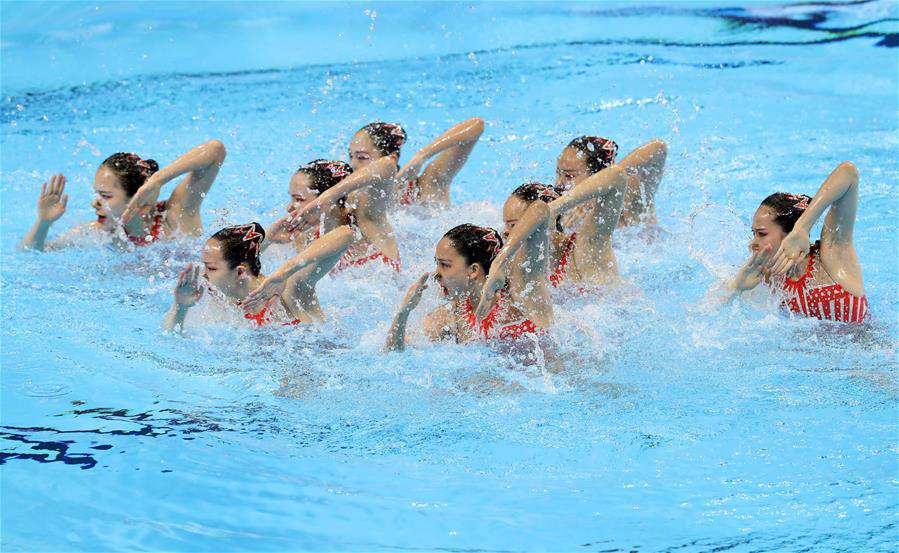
673, 426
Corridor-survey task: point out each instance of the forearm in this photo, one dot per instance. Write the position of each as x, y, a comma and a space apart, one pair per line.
375, 173
835, 187
174, 319
466, 132
197, 159
36, 236
328, 246
604, 184
396, 336
534, 219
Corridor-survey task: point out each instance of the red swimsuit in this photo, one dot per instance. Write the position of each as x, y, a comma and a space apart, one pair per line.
261, 319
489, 328
816, 294
154, 230
558, 275
411, 193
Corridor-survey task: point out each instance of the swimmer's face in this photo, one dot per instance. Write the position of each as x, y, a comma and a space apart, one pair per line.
111, 200
455, 276
765, 231
571, 169
217, 270
301, 191
513, 209
362, 151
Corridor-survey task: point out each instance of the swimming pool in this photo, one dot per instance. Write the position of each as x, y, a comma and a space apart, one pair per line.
673, 427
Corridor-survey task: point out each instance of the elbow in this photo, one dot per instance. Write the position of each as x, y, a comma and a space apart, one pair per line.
216, 149
850, 170
477, 127
657, 148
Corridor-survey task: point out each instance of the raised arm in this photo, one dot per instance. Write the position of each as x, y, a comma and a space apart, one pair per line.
187, 293
525, 274
201, 164
321, 255
608, 188
51, 204
396, 336
378, 173
452, 149
839, 193
643, 167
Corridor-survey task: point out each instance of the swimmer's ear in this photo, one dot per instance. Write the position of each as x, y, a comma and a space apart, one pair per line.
241, 270
475, 271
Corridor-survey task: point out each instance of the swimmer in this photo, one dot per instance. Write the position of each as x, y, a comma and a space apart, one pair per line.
582, 257
126, 205
232, 272
587, 155
821, 280
491, 293
306, 184
359, 199
414, 186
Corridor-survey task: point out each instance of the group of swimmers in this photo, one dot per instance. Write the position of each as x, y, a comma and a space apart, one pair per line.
498, 285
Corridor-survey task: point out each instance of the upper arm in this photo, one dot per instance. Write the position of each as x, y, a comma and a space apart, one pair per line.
602, 217
840, 220
443, 169
190, 192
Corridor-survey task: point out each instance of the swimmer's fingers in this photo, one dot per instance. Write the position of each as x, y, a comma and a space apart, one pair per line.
760, 258
257, 298
198, 290
413, 295
485, 305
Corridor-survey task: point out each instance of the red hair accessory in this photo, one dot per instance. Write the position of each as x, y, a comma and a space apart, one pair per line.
337, 169
800, 201
399, 133
491, 237
546, 193
140, 164
251, 236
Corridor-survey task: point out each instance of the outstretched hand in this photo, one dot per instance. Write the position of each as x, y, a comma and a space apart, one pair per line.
753, 271
489, 295
793, 249
278, 233
51, 204
142, 201
415, 291
258, 298
188, 290
411, 169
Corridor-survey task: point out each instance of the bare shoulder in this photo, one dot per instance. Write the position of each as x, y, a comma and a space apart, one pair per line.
438, 324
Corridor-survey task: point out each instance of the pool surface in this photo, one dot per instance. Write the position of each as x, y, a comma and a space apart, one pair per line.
674, 426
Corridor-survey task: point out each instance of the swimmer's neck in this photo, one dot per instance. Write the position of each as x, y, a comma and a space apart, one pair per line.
243, 289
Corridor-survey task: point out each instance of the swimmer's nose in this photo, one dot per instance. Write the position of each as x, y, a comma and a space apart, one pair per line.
95, 203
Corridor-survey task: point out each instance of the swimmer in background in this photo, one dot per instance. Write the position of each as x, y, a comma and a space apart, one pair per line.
587, 155
358, 199
126, 204
306, 184
821, 280
583, 257
414, 186
232, 271
492, 293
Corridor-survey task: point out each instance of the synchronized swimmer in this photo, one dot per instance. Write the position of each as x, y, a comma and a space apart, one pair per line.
497, 286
